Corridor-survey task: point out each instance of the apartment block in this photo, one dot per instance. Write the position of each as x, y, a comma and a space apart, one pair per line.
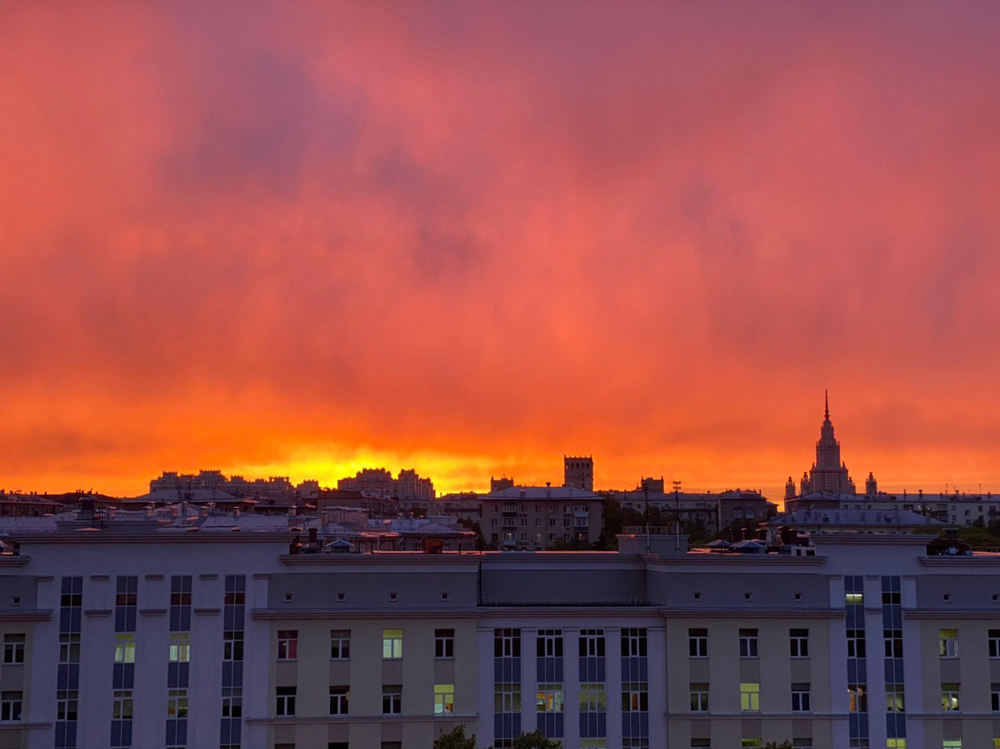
140, 635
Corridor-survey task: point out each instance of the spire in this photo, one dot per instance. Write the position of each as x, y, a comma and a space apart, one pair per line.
826, 397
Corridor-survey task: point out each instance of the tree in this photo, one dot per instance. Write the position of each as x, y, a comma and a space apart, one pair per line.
535, 740
455, 740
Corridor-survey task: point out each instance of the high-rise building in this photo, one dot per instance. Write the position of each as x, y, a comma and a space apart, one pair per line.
578, 473
829, 472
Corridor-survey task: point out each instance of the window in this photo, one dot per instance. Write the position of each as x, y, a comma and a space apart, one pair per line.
69, 648
392, 644
507, 698
635, 697
893, 643
66, 704
180, 647
994, 641
750, 743
699, 698
748, 643
995, 698
949, 697
952, 744
549, 698
10, 706
800, 698
854, 598
855, 643
444, 699
948, 643
701, 744
592, 643
507, 643
121, 704
232, 702
288, 644
807, 743
285, 701
392, 699
750, 697
633, 643
698, 643
593, 698
340, 644
895, 698
232, 645
550, 643
444, 643
799, 643
13, 648
339, 699
177, 704
124, 648
857, 698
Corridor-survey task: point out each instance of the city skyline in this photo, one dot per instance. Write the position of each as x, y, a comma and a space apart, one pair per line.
302, 239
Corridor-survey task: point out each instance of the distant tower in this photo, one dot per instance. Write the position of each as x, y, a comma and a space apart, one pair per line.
829, 472
578, 472
789, 489
498, 485
871, 485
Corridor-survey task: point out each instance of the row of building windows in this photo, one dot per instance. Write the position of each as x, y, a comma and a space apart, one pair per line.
392, 700
798, 641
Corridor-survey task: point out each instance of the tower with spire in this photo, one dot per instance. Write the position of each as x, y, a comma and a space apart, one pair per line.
829, 472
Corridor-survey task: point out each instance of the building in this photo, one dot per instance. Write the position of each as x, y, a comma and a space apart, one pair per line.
538, 517
499, 484
829, 472
140, 634
711, 511
578, 472
378, 482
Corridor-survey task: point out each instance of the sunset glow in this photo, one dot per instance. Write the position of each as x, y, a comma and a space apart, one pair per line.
469, 238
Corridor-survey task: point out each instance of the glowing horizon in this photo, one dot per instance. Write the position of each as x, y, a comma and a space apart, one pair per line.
472, 238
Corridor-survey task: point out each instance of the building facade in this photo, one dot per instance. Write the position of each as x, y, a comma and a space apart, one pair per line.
578, 472
137, 636
534, 518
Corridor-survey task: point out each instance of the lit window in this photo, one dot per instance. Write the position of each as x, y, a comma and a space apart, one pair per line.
506, 698
392, 644
124, 648
857, 698
177, 704
635, 697
948, 643
593, 698
949, 697
444, 699
994, 642
549, 698
894, 698
180, 647
750, 697
854, 599
121, 704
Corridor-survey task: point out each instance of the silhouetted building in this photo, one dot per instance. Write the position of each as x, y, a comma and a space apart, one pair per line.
829, 472
498, 485
578, 472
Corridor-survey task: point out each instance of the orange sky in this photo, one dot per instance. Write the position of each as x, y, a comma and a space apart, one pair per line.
470, 238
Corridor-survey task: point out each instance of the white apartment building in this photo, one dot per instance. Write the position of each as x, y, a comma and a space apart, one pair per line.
142, 635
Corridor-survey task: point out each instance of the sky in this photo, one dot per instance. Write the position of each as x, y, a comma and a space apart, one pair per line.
302, 238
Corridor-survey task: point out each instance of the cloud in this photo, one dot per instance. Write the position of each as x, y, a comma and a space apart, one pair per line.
257, 235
